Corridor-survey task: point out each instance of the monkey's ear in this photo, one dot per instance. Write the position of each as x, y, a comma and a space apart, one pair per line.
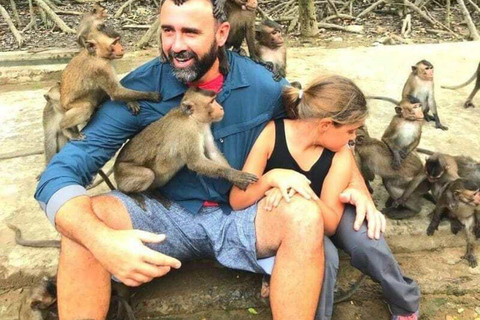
46, 97
187, 107
91, 46
398, 110
414, 68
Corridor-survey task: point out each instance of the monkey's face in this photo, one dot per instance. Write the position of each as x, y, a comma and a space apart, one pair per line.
425, 72
466, 196
434, 169
411, 112
272, 37
251, 5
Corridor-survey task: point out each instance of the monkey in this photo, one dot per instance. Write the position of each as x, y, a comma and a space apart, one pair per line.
403, 133
54, 138
469, 103
271, 47
89, 79
52, 116
97, 15
182, 137
241, 16
40, 303
375, 159
32, 243
420, 85
459, 200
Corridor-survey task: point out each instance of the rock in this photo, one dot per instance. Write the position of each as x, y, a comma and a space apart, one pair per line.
337, 39
354, 28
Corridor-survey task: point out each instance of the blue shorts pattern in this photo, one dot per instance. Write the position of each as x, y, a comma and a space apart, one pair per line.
209, 234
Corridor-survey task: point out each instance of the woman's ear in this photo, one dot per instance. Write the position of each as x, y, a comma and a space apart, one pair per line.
325, 124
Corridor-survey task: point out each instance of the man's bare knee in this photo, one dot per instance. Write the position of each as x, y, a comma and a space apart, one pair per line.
302, 215
112, 212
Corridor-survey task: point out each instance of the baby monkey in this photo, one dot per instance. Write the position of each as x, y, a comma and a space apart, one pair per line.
182, 137
460, 200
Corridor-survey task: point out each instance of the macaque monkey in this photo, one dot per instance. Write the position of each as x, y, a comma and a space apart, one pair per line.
89, 79
32, 243
54, 137
403, 134
459, 200
271, 47
181, 138
52, 116
40, 303
420, 85
375, 159
241, 16
93, 18
469, 103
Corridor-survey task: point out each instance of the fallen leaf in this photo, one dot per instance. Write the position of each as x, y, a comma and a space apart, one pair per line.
252, 311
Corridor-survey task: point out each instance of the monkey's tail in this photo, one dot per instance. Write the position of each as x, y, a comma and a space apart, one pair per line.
395, 102
104, 177
32, 243
425, 151
350, 292
461, 85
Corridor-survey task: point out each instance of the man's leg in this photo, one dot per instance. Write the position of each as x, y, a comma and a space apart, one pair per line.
295, 232
374, 258
325, 305
83, 284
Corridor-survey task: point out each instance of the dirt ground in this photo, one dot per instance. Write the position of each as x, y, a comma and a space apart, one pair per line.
378, 25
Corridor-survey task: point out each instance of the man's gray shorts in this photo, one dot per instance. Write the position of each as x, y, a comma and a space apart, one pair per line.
210, 233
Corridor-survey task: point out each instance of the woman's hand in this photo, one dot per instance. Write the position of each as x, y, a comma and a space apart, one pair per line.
290, 182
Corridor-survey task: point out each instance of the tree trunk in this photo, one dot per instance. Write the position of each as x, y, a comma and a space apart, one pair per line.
307, 18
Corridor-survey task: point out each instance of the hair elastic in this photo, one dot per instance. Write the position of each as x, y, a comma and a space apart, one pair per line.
300, 94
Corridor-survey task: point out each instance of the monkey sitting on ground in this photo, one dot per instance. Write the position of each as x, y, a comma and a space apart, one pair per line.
375, 158
40, 303
271, 47
182, 137
469, 103
96, 16
403, 133
421, 86
459, 200
89, 79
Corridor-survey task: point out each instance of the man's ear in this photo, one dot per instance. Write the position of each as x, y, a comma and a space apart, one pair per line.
222, 33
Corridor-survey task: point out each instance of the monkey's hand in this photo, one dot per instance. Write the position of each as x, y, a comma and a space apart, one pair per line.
472, 260
243, 179
403, 153
134, 107
124, 254
400, 202
431, 229
441, 126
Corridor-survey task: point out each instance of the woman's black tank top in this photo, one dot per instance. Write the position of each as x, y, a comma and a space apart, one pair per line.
282, 159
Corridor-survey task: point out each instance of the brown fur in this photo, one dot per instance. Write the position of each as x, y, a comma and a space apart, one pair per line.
271, 46
89, 79
375, 158
241, 16
403, 133
96, 16
420, 84
182, 137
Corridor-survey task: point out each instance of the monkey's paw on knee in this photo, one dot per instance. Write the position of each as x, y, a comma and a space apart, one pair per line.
134, 107
472, 260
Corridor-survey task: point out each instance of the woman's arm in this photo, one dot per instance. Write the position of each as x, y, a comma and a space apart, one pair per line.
337, 180
256, 163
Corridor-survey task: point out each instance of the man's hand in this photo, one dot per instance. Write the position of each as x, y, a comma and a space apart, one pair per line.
365, 210
124, 255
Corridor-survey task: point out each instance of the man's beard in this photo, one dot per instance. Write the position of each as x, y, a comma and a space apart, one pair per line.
199, 67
